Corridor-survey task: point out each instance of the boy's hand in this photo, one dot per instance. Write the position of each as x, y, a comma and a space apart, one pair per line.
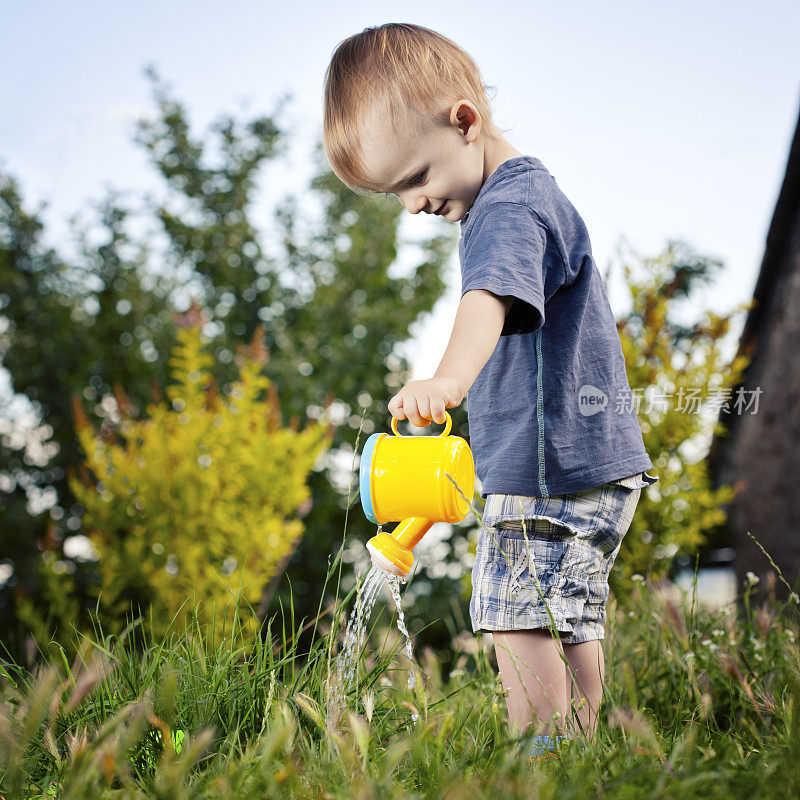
423, 401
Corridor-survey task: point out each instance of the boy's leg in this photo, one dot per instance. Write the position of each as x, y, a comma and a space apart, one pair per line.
587, 663
533, 672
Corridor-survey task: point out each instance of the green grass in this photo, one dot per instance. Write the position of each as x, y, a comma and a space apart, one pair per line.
699, 703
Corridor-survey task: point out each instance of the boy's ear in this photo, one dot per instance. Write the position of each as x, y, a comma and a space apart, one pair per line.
467, 118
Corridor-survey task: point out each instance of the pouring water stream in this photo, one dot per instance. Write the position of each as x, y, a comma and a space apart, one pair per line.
347, 659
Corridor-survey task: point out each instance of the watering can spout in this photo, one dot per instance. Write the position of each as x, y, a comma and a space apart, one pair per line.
392, 551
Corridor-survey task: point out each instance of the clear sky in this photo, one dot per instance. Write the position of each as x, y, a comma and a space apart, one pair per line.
658, 121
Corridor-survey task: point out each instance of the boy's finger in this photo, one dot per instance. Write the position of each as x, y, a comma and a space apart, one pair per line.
424, 406
416, 416
396, 407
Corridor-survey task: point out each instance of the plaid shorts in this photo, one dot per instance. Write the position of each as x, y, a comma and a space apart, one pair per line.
558, 564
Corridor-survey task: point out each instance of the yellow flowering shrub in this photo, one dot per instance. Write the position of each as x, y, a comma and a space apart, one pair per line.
199, 500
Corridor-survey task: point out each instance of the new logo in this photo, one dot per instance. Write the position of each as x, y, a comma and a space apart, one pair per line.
591, 400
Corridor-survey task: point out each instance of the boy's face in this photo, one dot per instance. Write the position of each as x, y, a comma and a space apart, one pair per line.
433, 168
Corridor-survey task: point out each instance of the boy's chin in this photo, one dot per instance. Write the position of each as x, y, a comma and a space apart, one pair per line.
455, 214
461, 211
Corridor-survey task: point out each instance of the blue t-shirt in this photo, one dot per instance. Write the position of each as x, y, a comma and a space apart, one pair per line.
551, 412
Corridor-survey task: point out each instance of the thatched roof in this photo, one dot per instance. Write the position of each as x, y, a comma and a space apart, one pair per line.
775, 267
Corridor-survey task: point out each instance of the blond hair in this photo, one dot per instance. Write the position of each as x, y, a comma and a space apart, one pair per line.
402, 68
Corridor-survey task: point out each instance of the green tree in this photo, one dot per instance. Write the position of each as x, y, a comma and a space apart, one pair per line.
333, 313
67, 329
332, 317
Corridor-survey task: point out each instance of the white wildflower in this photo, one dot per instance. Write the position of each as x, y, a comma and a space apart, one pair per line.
456, 673
369, 705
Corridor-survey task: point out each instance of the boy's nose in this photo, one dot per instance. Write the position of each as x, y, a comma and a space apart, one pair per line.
415, 204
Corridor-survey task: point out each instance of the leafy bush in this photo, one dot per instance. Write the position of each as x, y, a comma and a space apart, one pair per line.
677, 372
201, 499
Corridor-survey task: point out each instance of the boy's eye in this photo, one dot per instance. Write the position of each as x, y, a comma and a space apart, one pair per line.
417, 179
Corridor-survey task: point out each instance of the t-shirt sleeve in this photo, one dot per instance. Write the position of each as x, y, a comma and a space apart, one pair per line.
506, 255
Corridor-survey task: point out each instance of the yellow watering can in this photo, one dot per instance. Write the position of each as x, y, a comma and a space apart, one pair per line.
405, 478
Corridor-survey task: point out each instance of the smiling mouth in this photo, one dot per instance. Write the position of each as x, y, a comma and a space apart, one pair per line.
441, 207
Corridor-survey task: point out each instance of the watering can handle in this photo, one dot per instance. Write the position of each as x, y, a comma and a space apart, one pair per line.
448, 424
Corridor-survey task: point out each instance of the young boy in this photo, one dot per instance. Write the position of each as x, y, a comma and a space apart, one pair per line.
534, 347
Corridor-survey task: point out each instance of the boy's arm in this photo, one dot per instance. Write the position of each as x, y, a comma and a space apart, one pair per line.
476, 331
